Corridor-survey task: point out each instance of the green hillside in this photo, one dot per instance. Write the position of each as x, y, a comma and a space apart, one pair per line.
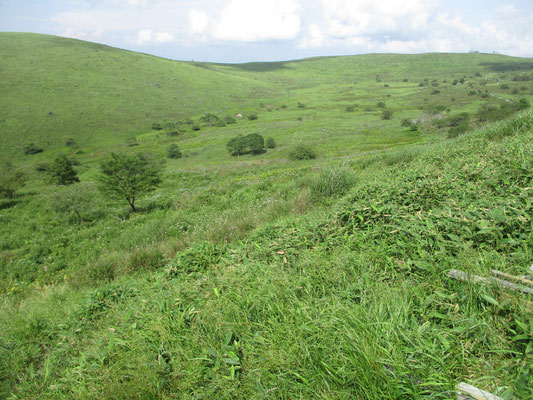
262, 276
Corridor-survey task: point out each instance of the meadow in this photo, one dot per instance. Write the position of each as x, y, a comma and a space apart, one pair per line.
260, 276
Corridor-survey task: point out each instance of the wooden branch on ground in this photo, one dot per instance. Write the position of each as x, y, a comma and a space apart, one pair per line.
514, 278
469, 392
463, 276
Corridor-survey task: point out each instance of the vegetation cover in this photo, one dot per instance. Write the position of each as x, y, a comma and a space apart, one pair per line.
262, 275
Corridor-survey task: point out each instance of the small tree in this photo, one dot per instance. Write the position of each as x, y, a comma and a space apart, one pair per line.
173, 151
62, 171
11, 180
270, 143
237, 146
129, 177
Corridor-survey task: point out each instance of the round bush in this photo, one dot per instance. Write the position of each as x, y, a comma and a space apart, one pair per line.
302, 152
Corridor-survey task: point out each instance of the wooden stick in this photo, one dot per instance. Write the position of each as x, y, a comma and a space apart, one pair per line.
462, 276
519, 279
473, 392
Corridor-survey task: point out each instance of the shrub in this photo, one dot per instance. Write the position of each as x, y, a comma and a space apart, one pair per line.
386, 114
406, 123
210, 119
302, 152
32, 149
270, 143
173, 133
156, 126
457, 130
228, 119
350, 108
332, 182
381, 104
195, 127
435, 91
173, 151
11, 180
301, 105
504, 87
252, 117
253, 143
62, 171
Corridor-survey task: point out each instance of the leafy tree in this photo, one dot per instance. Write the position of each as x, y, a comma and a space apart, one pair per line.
270, 143
237, 146
62, 171
173, 151
210, 119
255, 143
11, 180
129, 177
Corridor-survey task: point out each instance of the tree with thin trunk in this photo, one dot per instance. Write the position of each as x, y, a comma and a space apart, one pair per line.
129, 177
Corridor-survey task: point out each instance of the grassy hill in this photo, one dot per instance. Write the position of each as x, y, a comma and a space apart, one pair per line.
260, 276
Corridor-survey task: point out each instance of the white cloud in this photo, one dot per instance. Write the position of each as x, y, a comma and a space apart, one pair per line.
258, 20
147, 36
198, 22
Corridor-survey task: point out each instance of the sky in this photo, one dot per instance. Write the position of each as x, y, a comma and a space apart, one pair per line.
274, 30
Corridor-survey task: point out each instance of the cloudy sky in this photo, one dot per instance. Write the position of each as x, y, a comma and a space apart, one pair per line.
267, 30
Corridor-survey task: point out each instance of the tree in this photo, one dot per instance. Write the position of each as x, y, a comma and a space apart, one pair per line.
11, 180
129, 177
173, 151
237, 146
255, 143
62, 171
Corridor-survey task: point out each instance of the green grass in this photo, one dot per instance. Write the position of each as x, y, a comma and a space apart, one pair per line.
257, 276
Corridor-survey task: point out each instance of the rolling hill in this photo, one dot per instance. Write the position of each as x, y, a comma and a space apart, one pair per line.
263, 276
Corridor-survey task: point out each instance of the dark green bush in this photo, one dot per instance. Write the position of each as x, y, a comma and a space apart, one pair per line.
270, 143
32, 149
381, 104
302, 152
301, 105
332, 181
62, 171
173, 151
386, 114
252, 117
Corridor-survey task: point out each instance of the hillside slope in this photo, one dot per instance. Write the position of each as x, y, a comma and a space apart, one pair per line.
352, 304
101, 94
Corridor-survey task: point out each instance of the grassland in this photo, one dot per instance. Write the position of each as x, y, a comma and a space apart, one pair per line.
258, 276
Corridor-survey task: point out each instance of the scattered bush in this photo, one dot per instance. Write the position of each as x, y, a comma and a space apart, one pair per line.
70, 142
62, 171
252, 117
406, 123
350, 108
228, 119
156, 126
301, 105
11, 180
504, 87
435, 91
32, 149
381, 104
332, 181
457, 130
173, 151
302, 152
195, 127
173, 133
209, 119
253, 143
386, 114
270, 143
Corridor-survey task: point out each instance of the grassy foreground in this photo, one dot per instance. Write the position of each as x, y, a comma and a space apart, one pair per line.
351, 304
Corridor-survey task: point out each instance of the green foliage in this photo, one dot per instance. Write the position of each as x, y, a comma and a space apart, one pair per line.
173, 151
240, 145
32, 149
300, 105
210, 119
129, 177
302, 152
11, 180
156, 126
386, 114
332, 181
252, 117
62, 171
406, 123
78, 201
270, 143
381, 104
